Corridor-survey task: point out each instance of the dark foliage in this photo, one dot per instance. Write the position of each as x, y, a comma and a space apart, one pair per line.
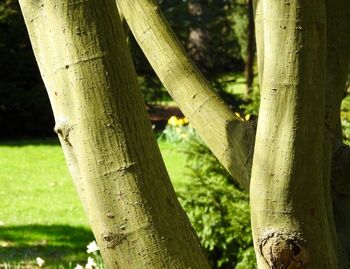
208, 35
24, 105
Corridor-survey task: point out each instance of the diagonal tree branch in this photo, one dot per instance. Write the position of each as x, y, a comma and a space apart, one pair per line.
230, 138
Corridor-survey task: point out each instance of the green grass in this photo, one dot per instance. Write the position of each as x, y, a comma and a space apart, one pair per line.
175, 162
40, 212
33, 175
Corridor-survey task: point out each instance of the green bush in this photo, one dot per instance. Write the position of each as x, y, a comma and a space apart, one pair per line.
217, 209
252, 106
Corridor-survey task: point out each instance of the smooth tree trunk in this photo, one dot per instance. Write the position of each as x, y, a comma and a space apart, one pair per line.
107, 139
289, 215
287, 191
199, 37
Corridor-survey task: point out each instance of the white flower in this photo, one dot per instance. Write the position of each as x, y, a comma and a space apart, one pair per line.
78, 266
40, 261
92, 247
90, 264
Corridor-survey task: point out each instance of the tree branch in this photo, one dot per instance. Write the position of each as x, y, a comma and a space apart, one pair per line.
229, 137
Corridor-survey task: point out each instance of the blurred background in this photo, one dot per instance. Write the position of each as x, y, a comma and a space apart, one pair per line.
215, 33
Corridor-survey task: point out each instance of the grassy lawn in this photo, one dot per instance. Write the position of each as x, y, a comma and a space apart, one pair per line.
40, 212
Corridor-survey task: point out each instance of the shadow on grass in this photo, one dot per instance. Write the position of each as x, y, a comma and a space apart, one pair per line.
49, 141
56, 244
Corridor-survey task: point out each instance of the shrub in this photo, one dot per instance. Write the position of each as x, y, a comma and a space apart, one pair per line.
217, 209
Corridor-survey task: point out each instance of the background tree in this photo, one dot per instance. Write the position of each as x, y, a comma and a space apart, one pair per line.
242, 17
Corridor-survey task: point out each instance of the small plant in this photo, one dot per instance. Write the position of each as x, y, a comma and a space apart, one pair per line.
177, 130
93, 263
40, 262
252, 105
218, 210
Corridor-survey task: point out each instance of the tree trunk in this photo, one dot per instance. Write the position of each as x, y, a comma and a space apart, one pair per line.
250, 53
106, 137
291, 226
198, 38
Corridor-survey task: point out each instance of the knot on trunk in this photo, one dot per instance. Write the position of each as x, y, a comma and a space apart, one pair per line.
62, 128
112, 239
283, 250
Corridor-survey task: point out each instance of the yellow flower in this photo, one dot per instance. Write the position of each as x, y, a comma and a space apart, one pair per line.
247, 117
239, 115
172, 121
180, 122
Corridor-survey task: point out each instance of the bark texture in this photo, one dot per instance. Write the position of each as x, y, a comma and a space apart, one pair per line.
230, 139
106, 137
290, 218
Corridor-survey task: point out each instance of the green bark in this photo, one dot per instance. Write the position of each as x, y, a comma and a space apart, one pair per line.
334, 160
290, 220
106, 136
230, 139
